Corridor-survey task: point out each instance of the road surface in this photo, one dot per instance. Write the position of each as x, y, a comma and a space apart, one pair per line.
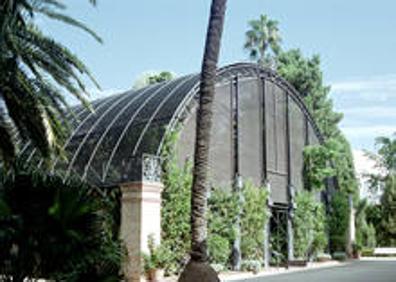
363, 271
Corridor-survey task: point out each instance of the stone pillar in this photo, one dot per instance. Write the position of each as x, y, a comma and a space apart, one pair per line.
140, 217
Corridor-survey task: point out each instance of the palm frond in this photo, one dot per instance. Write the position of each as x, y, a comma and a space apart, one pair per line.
68, 20
7, 141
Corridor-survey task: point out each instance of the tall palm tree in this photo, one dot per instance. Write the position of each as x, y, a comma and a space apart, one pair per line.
262, 36
35, 71
198, 269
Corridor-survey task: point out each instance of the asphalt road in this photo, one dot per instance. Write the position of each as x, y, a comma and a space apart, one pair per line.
364, 271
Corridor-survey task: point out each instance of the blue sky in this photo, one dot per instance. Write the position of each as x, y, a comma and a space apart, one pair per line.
356, 41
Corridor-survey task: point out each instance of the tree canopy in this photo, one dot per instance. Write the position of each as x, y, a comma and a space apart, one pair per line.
262, 40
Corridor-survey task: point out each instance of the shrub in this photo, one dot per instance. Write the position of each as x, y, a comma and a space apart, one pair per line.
338, 221
176, 207
219, 249
309, 225
56, 229
156, 258
367, 252
255, 215
223, 211
340, 256
251, 265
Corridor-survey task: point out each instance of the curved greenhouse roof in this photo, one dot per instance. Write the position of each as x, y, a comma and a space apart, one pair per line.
107, 145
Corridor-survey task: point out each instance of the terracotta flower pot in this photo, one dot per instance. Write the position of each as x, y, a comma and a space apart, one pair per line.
151, 275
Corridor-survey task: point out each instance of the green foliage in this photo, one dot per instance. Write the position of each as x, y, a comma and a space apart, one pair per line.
306, 76
316, 166
303, 73
255, 215
338, 221
36, 71
176, 206
157, 256
340, 256
262, 36
383, 216
251, 265
223, 212
148, 78
388, 213
365, 232
309, 226
56, 230
219, 249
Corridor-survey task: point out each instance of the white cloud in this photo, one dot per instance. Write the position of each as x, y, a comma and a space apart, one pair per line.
368, 131
375, 88
371, 112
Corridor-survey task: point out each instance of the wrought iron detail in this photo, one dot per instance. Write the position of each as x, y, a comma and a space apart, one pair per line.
151, 168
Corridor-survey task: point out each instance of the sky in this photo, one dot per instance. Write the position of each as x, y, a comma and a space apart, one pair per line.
355, 40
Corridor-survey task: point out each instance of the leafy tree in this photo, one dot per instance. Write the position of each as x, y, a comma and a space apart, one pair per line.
35, 72
262, 37
365, 232
197, 269
56, 230
153, 77
388, 213
306, 76
383, 217
303, 73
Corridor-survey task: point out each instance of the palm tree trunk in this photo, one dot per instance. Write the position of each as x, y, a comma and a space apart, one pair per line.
202, 141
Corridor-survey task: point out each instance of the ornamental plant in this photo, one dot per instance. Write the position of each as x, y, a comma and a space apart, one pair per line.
55, 229
309, 226
255, 215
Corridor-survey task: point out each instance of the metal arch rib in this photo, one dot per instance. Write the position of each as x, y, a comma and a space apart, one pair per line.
285, 85
101, 104
91, 129
138, 95
190, 95
107, 167
80, 112
258, 71
186, 80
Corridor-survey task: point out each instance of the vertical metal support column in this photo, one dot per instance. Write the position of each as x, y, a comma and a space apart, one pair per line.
236, 255
264, 131
290, 237
306, 136
265, 182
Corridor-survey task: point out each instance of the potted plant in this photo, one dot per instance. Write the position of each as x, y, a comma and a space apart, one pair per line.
153, 261
357, 250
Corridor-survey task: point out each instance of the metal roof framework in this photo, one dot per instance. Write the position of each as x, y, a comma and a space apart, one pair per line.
108, 145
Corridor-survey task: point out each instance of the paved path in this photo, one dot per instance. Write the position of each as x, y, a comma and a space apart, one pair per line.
363, 271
